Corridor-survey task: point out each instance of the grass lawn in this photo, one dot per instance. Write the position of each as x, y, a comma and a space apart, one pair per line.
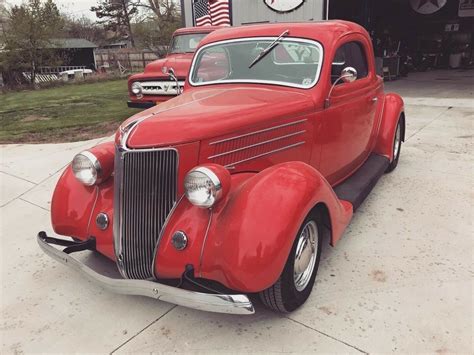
64, 114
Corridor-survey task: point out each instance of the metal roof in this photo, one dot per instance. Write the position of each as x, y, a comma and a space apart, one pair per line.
72, 43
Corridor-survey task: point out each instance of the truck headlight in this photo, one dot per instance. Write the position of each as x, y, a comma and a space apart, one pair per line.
86, 168
136, 88
204, 185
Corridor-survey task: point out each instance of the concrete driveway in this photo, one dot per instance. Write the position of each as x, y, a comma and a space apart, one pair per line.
400, 280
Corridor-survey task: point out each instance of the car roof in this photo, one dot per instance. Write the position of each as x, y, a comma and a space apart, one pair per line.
200, 29
326, 32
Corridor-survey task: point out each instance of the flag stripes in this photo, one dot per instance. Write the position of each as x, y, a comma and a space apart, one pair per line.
211, 12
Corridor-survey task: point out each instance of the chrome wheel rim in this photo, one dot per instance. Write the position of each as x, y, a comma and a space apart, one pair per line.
396, 147
305, 256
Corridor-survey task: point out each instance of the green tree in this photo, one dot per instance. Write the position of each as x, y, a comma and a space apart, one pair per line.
164, 10
3, 18
117, 16
156, 30
83, 27
29, 37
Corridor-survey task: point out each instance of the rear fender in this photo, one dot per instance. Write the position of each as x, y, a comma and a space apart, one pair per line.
393, 110
244, 242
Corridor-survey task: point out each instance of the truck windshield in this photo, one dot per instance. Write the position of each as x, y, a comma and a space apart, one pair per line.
294, 62
186, 43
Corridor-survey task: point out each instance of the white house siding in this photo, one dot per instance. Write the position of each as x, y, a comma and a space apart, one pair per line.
245, 12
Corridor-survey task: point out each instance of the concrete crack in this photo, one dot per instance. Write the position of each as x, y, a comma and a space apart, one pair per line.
36, 184
426, 125
18, 177
141, 331
32, 203
329, 336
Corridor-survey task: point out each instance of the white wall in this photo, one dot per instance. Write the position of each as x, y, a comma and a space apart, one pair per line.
255, 11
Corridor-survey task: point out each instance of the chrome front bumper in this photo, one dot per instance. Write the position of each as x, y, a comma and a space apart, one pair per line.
219, 303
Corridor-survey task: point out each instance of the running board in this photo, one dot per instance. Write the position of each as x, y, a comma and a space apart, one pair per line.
356, 188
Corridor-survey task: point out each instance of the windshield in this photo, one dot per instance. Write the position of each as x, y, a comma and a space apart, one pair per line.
186, 43
293, 62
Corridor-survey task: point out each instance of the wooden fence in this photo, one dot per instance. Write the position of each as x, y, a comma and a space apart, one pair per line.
129, 59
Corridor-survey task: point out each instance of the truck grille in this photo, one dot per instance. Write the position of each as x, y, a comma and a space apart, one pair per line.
146, 195
162, 87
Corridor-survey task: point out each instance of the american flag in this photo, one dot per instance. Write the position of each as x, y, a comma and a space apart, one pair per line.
211, 12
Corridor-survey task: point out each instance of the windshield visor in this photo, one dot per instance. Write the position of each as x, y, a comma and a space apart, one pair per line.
293, 62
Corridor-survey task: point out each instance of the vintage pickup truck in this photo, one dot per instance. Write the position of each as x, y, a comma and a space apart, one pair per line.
164, 78
230, 188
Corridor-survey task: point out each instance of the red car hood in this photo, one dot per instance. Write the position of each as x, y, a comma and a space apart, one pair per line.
179, 62
207, 113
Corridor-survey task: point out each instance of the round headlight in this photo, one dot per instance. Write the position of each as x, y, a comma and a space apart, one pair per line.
202, 187
86, 168
136, 88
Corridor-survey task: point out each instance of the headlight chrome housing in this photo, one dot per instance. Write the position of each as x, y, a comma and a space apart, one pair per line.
87, 168
202, 187
136, 88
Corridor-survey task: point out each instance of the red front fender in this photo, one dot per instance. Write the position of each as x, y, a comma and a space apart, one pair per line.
74, 206
244, 243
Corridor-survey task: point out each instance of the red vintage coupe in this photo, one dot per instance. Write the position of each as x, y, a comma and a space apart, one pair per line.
164, 78
228, 189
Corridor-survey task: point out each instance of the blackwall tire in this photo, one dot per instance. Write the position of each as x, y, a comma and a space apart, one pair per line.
294, 286
397, 146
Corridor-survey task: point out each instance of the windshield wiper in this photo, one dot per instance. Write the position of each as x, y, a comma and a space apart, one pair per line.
270, 47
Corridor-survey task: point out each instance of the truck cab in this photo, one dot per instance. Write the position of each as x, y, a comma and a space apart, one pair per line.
155, 85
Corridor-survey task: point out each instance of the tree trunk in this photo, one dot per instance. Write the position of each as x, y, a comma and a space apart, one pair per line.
127, 22
33, 73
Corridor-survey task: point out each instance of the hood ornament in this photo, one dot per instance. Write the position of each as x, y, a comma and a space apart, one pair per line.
164, 70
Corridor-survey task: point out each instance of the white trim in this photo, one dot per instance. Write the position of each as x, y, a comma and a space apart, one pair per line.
270, 82
259, 131
257, 144
232, 165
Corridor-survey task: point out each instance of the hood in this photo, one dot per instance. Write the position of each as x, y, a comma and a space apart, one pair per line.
211, 113
179, 62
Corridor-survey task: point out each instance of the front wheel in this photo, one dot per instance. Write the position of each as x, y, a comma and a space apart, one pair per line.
397, 146
296, 282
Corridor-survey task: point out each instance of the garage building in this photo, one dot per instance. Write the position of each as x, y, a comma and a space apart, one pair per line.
408, 35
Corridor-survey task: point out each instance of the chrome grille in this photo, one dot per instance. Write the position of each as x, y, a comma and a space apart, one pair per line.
162, 87
148, 192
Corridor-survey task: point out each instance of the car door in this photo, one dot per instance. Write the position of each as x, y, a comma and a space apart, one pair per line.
349, 120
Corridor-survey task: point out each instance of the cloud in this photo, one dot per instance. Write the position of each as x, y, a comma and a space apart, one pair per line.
76, 8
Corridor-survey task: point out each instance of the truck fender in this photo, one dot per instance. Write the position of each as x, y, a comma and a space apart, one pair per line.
244, 243
393, 111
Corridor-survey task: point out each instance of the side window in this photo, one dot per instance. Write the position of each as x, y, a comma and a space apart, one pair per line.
213, 65
350, 54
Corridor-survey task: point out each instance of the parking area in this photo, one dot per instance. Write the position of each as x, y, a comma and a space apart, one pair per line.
400, 280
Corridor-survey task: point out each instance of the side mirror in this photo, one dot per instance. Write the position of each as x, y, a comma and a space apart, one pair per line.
348, 75
173, 76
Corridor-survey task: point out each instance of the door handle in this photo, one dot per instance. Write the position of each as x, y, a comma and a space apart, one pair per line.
375, 99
